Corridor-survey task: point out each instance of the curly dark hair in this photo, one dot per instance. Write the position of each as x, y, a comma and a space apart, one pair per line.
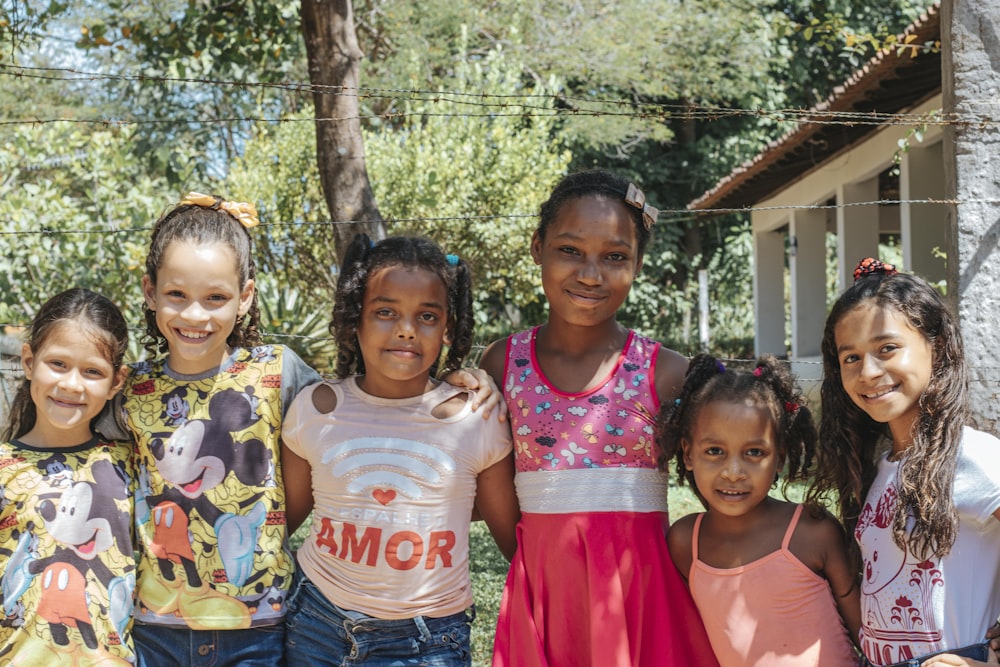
92, 315
203, 225
363, 259
590, 183
849, 438
770, 385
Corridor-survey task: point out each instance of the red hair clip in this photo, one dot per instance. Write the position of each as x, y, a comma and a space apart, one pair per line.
869, 266
791, 408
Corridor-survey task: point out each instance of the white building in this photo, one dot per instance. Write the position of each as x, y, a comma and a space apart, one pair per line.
826, 177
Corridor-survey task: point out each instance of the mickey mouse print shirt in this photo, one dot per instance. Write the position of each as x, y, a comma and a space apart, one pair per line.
210, 500
68, 568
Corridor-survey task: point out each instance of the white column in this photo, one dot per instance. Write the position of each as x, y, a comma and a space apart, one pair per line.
924, 226
807, 276
857, 228
769, 292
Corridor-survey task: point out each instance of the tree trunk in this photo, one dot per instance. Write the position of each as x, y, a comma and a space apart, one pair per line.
334, 56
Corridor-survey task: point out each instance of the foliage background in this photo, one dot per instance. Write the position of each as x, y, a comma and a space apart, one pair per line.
472, 111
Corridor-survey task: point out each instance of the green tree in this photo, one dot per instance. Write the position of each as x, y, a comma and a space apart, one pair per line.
474, 183
470, 183
63, 188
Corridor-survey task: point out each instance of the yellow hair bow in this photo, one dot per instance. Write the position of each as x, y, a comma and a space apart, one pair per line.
244, 212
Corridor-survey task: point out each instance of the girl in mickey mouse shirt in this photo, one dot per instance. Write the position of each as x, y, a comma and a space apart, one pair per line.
206, 417
65, 499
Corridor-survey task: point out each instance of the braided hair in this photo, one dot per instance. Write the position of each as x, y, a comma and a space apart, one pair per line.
770, 386
363, 259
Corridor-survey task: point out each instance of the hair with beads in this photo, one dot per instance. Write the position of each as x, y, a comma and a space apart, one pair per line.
849, 438
770, 386
591, 183
203, 225
363, 259
93, 317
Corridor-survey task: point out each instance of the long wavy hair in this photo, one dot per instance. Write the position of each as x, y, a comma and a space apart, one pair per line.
770, 385
849, 438
95, 316
363, 259
203, 225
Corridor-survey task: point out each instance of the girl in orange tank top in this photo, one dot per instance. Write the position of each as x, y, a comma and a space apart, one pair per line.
768, 579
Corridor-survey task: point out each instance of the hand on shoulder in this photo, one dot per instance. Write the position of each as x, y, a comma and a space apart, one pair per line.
486, 392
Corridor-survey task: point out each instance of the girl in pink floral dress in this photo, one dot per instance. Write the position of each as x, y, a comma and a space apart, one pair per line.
592, 582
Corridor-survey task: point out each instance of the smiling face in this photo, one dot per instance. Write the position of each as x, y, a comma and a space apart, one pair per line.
403, 326
589, 259
71, 380
885, 366
184, 463
733, 455
76, 521
197, 299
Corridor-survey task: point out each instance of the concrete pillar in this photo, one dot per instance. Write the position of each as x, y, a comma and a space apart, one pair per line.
769, 293
924, 226
970, 41
857, 228
807, 269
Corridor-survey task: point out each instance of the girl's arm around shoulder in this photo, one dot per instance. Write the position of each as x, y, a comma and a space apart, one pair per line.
296, 375
485, 392
821, 543
670, 370
485, 386
679, 542
496, 503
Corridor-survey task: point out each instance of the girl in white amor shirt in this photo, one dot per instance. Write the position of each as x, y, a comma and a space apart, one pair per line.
397, 461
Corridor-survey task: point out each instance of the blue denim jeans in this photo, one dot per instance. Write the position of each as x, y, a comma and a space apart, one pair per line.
320, 633
975, 651
167, 646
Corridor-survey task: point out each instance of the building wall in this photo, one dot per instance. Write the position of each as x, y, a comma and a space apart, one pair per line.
789, 236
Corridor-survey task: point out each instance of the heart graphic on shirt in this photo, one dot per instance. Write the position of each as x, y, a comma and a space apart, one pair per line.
384, 496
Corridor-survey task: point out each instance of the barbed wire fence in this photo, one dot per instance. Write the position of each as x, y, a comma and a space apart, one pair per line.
492, 105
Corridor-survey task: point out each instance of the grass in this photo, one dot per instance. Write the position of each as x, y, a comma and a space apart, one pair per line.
489, 569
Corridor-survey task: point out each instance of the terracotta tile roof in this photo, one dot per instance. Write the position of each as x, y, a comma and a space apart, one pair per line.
886, 84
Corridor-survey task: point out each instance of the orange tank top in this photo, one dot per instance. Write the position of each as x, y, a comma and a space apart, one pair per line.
773, 612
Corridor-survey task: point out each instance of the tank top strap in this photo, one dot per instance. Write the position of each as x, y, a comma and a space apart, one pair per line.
694, 536
791, 527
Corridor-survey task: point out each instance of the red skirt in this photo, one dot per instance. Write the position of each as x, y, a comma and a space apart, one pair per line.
597, 589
